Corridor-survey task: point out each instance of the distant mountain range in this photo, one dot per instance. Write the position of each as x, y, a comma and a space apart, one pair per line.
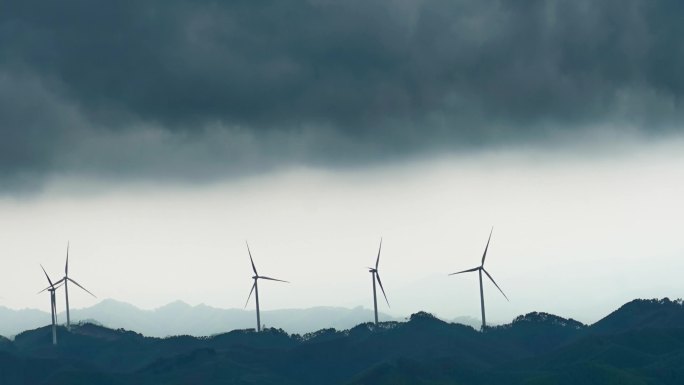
179, 318
640, 343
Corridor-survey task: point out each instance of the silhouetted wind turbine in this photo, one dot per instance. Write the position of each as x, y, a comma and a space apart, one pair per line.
53, 304
255, 287
66, 280
481, 269
376, 276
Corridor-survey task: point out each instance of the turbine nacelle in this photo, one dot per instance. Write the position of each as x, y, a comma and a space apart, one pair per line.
53, 289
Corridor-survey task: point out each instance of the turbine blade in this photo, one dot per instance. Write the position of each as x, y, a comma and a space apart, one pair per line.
377, 261
47, 288
46, 275
497, 286
250, 293
250, 259
382, 288
467, 271
66, 266
54, 304
487, 247
272, 279
77, 284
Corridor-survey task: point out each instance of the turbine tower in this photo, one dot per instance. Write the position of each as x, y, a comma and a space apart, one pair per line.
66, 279
255, 287
480, 269
376, 276
53, 304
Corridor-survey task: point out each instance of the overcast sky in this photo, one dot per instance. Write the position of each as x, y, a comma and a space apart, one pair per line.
157, 136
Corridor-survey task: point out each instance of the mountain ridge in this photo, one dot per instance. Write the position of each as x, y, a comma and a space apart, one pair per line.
178, 317
535, 348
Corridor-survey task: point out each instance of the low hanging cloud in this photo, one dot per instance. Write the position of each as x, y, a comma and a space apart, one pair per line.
207, 89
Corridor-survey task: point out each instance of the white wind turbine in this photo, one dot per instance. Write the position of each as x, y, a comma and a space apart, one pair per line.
255, 287
66, 279
480, 269
53, 304
376, 276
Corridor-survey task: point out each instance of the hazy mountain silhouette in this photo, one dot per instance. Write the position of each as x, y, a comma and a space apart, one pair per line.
15, 321
178, 318
470, 321
536, 348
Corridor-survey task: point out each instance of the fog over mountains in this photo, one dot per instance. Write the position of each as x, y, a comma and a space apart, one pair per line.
180, 318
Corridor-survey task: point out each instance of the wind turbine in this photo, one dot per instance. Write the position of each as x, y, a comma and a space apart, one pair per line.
53, 304
255, 287
480, 269
376, 276
66, 280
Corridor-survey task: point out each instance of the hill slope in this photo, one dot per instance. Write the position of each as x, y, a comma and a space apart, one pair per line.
643, 314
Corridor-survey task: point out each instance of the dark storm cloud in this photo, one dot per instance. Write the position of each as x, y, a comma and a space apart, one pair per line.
145, 88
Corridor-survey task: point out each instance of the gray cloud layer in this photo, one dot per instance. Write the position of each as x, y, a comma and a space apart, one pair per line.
173, 88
